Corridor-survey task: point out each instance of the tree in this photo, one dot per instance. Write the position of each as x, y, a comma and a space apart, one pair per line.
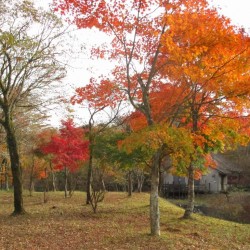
210, 63
69, 149
43, 138
140, 31
111, 154
98, 99
28, 67
136, 32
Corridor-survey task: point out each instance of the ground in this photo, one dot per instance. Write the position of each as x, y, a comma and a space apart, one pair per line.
121, 222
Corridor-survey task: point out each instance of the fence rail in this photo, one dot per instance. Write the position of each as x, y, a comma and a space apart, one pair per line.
180, 191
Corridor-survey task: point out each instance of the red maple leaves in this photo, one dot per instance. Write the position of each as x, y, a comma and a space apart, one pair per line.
68, 148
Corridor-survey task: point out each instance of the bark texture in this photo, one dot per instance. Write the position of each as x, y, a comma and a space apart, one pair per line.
190, 206
154, 197
15, 169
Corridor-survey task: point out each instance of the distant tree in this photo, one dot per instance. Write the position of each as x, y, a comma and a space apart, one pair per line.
43, 138
29, 43
110, 154
69, 148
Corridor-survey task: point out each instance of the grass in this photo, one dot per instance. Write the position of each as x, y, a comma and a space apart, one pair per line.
234, 207
120, 223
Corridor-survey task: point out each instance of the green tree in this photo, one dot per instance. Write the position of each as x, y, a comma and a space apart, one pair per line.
29, 42
109, 150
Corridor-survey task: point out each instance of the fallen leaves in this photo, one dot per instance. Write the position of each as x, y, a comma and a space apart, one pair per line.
121, 223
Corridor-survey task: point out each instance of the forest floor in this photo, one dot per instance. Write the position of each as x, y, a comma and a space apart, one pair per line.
121, 222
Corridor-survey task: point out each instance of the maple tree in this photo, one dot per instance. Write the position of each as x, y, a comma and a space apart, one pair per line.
159, 70
98, 98
210, 63
131, 24
43, 138
68, 148
40, 164
209, 76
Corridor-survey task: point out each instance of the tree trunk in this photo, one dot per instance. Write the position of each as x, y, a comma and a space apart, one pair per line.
103, 184
31, 184
72, 185
154, 203
45, 191
140, 180
160, 182
89, 177
90, 166
6, 181
66, 182
53, 176
154, 193
6, 175
15, 169
130, 183
190, 206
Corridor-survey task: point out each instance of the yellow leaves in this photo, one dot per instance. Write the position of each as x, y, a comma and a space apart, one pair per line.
175, 142
151, 138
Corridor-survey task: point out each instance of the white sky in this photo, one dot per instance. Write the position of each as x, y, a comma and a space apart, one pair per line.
82, 68
237, 10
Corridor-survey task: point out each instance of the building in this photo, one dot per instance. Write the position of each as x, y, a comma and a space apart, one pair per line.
226, 175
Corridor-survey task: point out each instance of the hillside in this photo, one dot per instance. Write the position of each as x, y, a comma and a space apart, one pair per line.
120, 223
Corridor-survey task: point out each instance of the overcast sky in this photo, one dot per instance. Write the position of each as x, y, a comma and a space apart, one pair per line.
237, 10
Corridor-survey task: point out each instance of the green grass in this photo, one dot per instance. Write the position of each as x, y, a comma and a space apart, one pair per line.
120, 223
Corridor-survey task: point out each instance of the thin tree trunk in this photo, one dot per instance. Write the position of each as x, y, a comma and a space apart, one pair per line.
154, 203
90, 166
31, 185
53, 176
15, 169
89, 177
140, 180
190, 206
70, 184
6, 175
53, 181
103, 185
154, 193
45, 191
160, 182
6, 181
130, 183
66, 182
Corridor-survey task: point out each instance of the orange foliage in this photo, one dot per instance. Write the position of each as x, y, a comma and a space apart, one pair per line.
183, 65
137, 121
209, 161
43, 174
98, 95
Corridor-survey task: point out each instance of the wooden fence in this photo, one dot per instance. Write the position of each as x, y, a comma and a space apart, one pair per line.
180, 191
